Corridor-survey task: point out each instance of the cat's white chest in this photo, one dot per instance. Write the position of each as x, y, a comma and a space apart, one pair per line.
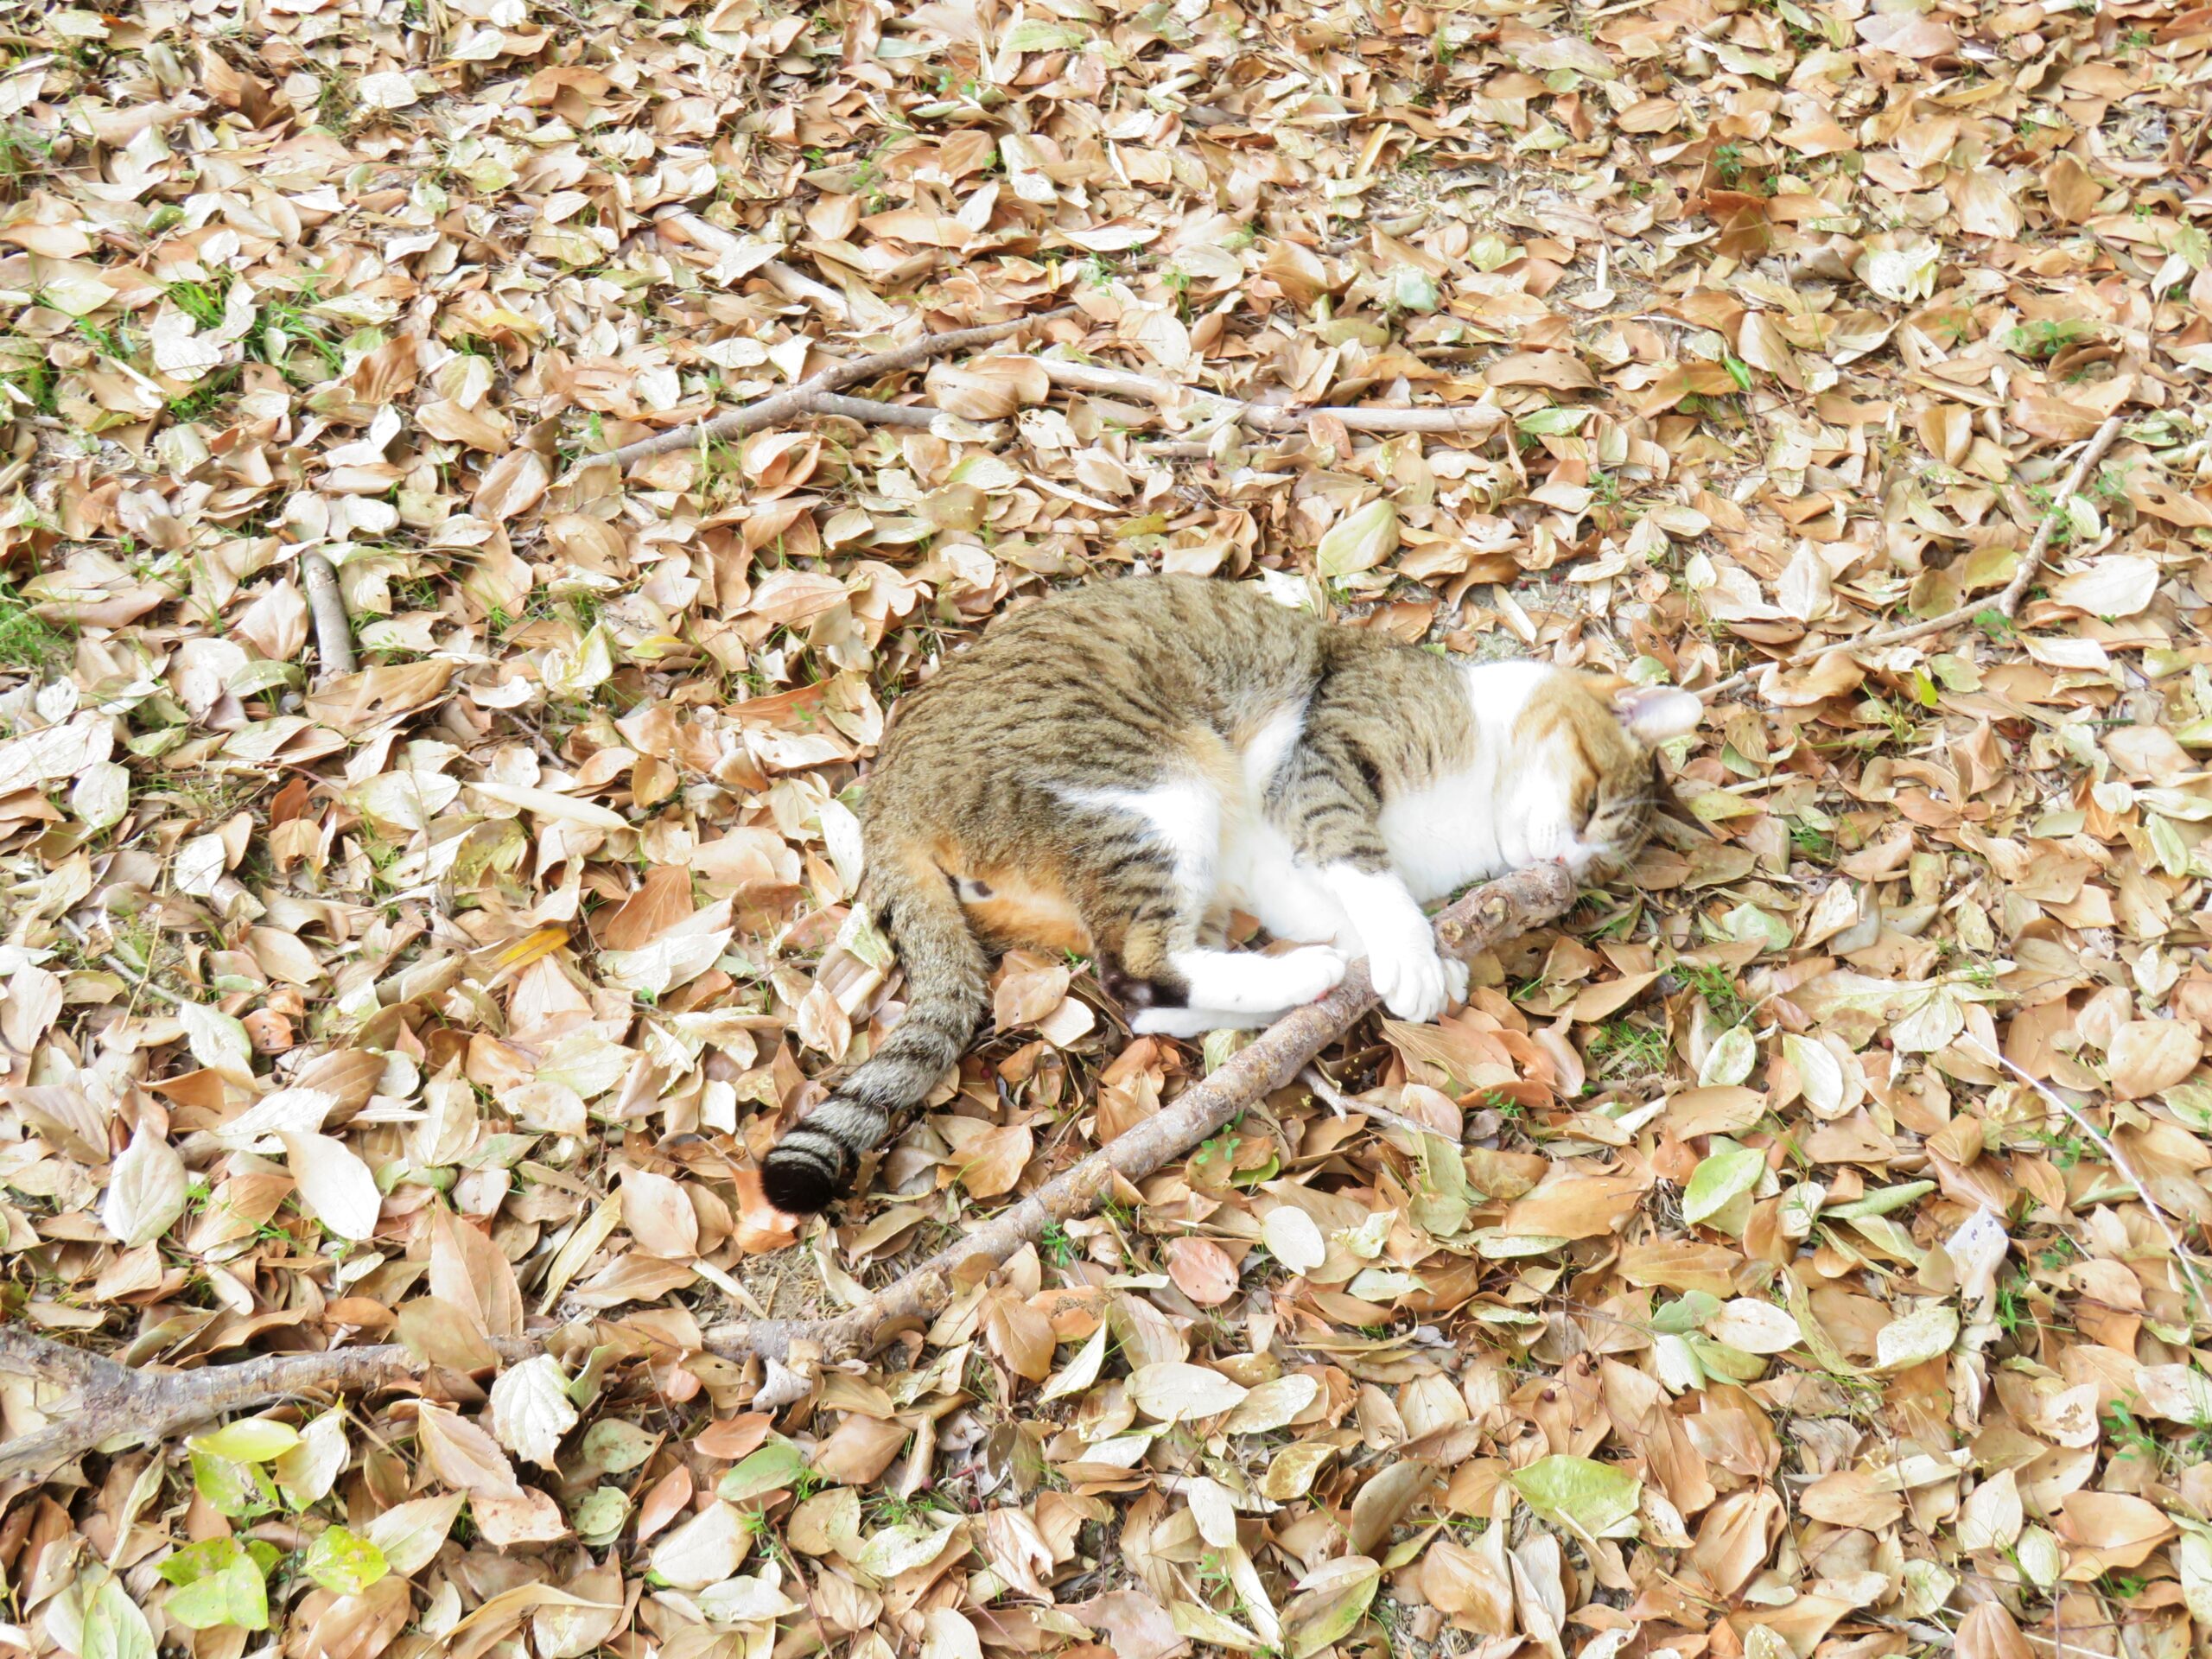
1467, 826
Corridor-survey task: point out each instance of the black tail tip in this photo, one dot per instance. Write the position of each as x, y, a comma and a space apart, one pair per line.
796, 1186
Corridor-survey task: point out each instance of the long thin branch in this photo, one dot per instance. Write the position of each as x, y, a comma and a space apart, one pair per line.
107, 1402
2007, 604
333, 629
808, 397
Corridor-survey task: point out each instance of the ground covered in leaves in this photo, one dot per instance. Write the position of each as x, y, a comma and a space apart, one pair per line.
1819, 1271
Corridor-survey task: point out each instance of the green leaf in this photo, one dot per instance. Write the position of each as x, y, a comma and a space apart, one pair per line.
1881, 1201
2193, 1558
1729, 1174
1360, 541
343, 1562
196, 1562
216, 1039
1680, 1318
1592, 1500
1730, 1060
1718, 1359
1440, 1203
1340, 1593
1747, 924
114, 1628
236, 1490
1917, 1339
233, 1593
1038, 34
599, 1517
250, 1439
1554, 421
770, 1468
616, 1446
409, 1535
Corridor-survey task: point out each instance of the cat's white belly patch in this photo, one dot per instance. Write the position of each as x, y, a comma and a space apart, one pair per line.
1184, 817
1260, 876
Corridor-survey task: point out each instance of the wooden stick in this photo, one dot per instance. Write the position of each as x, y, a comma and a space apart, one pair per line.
105, 1402
806, 398
333, 629
110, 1402
2007, 604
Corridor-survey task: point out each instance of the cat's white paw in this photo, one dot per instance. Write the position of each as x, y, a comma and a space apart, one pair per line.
1192, 1023
1309, 972
1414, 982
1243, 982
1457, 972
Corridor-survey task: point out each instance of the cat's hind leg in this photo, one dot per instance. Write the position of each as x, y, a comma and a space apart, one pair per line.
1197, 1022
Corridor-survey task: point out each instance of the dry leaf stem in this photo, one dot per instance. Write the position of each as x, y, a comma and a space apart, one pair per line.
812, 396
2104, 1144
111, 1402
333, 628
2007, 604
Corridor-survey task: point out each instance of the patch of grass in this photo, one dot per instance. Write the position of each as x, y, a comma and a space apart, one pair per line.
23, 155
1621, 1049
202, 301
285, 322
1717, 987
2065, 1150
1056, 1246
2041, 341
28, 643
33, 379
203, 398
1815, 844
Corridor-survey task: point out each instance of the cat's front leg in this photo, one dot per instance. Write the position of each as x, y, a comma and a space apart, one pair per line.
1414, 979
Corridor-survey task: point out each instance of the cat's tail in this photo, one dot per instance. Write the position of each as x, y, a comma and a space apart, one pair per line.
946, 972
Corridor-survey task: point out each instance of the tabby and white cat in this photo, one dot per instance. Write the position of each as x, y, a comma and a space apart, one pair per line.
1113, 769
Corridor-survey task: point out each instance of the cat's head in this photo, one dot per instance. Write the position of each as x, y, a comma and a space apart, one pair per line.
1594, 741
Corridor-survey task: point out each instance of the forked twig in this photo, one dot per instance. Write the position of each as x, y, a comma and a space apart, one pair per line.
814, 395
2007, 604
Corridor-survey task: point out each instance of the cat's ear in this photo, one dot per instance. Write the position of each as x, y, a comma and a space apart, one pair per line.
1655, 713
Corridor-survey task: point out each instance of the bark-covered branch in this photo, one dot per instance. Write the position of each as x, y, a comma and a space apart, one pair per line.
97, 1402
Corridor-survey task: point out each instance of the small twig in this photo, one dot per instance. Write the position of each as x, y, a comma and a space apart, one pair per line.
1340, 1103
807, 398
2051, 1096
333, 629
2007, 604
1211, 408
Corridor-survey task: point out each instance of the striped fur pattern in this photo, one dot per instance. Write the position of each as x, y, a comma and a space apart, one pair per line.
1114, 769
